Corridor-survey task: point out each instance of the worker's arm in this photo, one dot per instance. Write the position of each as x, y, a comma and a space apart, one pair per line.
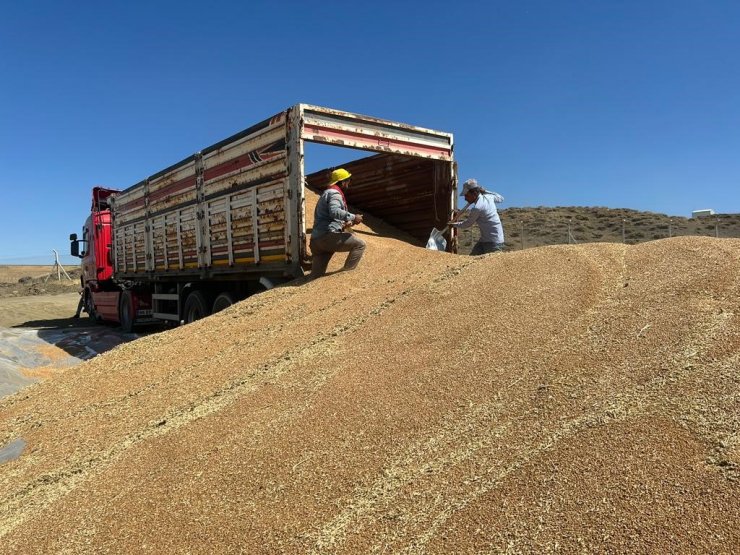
469, 221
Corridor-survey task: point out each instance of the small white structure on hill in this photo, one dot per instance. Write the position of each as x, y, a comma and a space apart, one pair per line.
701, 213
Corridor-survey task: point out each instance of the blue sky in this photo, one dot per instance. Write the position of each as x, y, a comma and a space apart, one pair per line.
629, 104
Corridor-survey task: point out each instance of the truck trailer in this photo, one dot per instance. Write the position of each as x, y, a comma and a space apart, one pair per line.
230, 220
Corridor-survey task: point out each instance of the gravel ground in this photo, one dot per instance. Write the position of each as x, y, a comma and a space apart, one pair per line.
562, 399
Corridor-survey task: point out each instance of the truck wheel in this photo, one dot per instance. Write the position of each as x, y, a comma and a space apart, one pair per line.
126, 312
224, 300
196, 307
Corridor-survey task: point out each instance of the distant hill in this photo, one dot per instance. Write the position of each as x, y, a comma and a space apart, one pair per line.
539, 226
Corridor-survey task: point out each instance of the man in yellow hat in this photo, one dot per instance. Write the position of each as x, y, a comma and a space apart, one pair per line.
331, 218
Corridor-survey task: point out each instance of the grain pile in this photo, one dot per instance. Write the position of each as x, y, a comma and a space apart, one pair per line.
573, 399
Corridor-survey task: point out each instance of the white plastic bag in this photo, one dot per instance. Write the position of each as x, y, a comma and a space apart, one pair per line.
436, 241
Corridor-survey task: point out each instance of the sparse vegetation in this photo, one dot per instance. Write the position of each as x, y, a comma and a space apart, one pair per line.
549, 226
22, 281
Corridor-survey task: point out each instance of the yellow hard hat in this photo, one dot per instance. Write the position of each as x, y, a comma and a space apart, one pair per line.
339, 174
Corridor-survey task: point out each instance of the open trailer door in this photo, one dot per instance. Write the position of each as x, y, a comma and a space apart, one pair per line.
410, 183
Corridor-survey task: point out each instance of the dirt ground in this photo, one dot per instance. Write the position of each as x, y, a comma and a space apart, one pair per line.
43, 310
24, 281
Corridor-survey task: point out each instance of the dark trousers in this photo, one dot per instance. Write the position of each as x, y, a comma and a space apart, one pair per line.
324, 247
485, 248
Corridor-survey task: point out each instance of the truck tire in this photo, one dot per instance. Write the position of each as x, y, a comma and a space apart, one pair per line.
126, 312
196, 307
224, 300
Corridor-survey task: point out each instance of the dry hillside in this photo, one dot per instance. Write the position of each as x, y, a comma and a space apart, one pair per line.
564, 399
528, 227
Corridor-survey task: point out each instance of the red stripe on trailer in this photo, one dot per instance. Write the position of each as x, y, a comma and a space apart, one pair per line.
321, 134
243, 161
172, 188
131, 205
227, 167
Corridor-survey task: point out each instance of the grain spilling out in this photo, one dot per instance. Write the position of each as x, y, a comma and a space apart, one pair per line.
580, 398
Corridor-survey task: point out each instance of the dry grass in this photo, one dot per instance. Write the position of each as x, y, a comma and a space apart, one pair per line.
564, 399
22, 281
11, 274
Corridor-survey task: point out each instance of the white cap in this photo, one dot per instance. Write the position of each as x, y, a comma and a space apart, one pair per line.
471, 185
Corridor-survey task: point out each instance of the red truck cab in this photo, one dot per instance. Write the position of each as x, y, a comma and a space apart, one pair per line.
97, 262
101, 295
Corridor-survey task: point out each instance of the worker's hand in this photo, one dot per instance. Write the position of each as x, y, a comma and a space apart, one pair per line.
357, 220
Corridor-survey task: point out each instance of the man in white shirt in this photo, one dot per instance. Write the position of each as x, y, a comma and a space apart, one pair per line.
483, 213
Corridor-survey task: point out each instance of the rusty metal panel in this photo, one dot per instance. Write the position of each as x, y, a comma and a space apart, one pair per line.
187, 223
119, 249
174, 243
158, 231
170, 244
252, 171
201, 212
130, 205
250, 160
272, 221
219, 211
136, 253
244, 226
173, 189
346, 129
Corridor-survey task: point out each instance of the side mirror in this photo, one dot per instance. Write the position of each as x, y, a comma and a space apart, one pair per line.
75, 246
73, 237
